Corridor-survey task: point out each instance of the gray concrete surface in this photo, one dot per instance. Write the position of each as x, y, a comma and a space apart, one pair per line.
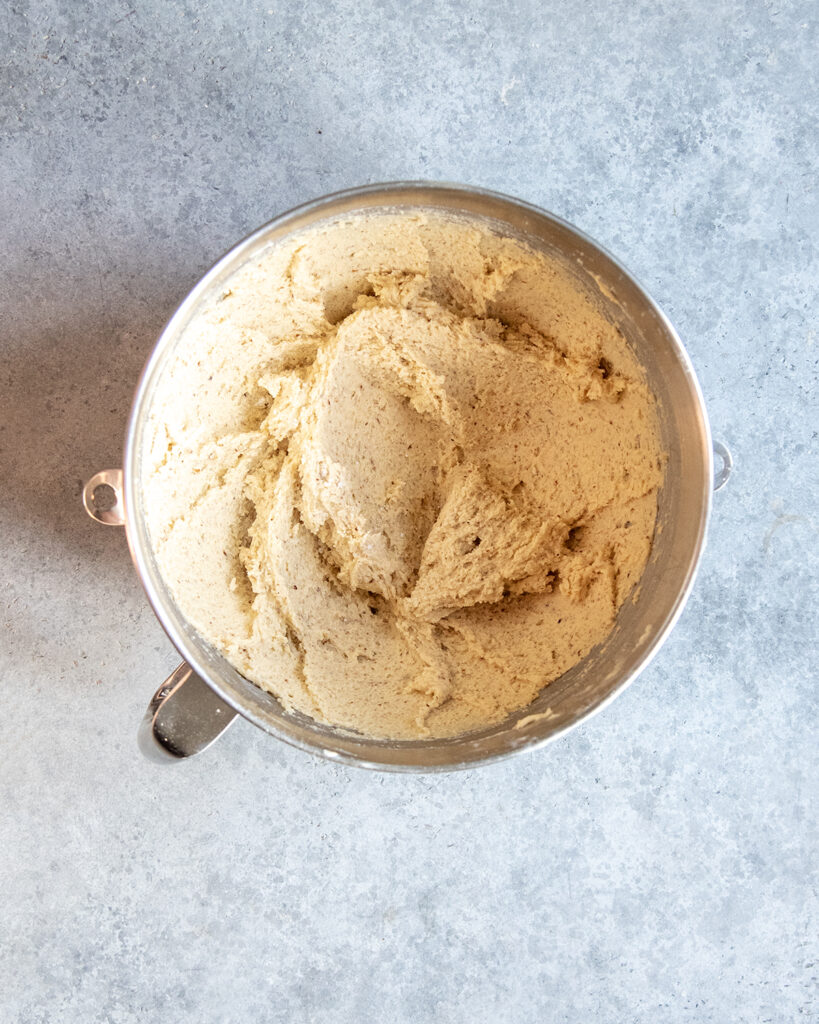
659, 864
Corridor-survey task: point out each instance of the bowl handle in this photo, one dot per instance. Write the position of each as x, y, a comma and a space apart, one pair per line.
184, 717
721, 475
112, 513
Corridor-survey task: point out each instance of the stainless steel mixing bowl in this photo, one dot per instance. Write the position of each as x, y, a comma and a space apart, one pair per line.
203, 696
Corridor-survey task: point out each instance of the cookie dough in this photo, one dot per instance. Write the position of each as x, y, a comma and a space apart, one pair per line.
402, 472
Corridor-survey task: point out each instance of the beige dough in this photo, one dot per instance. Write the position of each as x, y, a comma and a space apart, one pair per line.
402, 473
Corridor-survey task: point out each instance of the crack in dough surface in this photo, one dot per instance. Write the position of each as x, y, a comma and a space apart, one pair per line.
403, 473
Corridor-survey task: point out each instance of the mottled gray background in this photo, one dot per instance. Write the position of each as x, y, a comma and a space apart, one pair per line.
659, 864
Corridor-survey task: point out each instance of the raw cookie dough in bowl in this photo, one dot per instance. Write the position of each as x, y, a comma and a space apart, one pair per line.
399, 470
